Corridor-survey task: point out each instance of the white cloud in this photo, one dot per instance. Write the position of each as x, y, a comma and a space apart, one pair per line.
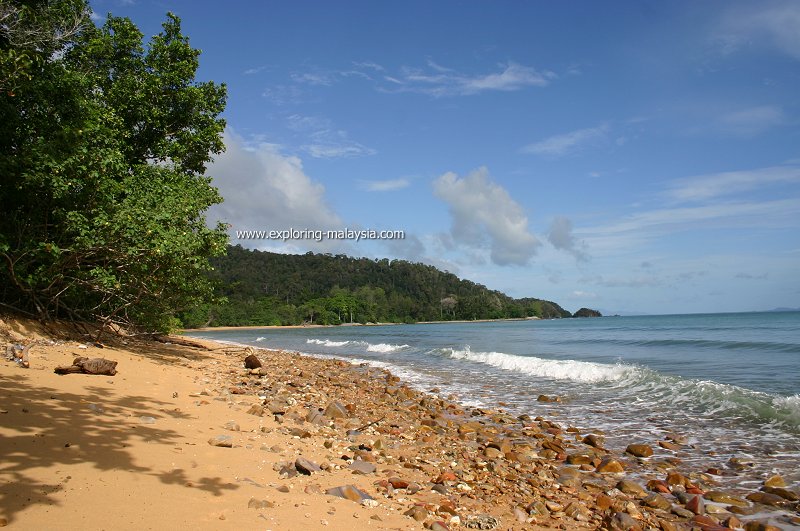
266, 190
751, 121
440, 81
561, 237
563, 144
323, 140
581, 295
640, 228
776, 24
483, 213
384, 186
714, 185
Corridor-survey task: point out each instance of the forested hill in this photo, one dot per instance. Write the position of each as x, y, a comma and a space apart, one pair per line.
265, 288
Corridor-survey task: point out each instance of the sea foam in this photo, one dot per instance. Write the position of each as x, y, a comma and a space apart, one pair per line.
581, 371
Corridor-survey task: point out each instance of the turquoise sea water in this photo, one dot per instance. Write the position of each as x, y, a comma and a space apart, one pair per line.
730, 383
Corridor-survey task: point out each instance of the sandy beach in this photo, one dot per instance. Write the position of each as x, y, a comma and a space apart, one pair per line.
187, 437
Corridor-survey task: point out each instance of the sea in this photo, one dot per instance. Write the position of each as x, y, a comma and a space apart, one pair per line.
729, 383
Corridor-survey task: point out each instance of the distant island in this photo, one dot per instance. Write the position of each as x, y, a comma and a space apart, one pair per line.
258, 288
587, 312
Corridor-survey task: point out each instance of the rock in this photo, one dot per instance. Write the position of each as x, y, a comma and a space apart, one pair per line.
639, 450
222, 441
577, 512
256, 410
676, 478
705, 523
335, 410
765, 498
609, 465
721, 497
775, 481
317, 417
683, 513
252, 362
492, 453
657, 501
417, 512
398, 483
632, 488
786, 494
520, 515
545, 398
232, 426
260, 504
349, 492
443, 477
603, 502
304, 466
147, 420
594, 440
696, 505
669, 446
362, 467
579, 459
481, 521
439, 526
760, 526
620, 521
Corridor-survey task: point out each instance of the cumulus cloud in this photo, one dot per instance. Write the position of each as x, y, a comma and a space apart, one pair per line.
562, 238
563, 144
483, 213
266, 190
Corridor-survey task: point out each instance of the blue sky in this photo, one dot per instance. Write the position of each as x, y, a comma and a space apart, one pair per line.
627, 156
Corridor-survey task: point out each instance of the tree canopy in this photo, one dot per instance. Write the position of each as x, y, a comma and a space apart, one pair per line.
265, 288
104, 142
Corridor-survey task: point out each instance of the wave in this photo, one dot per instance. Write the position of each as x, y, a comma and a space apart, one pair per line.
382, 348
385, 347
327, 342
642, 387
580, 371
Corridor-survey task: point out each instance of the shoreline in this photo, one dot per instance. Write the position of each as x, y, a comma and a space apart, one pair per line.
412, 452
289, 327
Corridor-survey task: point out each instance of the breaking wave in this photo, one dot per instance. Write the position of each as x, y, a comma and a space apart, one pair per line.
581, 371
382, 348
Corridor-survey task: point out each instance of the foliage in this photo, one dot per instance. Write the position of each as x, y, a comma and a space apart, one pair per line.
103, 147
262, 288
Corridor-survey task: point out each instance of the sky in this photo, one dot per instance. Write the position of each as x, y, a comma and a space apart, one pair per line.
634, 157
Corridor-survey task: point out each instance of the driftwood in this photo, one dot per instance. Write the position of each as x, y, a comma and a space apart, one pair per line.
175, 340
89, 366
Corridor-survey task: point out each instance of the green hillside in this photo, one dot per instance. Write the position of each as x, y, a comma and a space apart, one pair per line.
265, 288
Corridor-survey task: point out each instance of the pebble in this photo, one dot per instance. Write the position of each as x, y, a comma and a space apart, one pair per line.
481, 521
260, 504
362, 467
349, 492
222, 441
696, 505
639, 450
775, 481
305, 466
609, 465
